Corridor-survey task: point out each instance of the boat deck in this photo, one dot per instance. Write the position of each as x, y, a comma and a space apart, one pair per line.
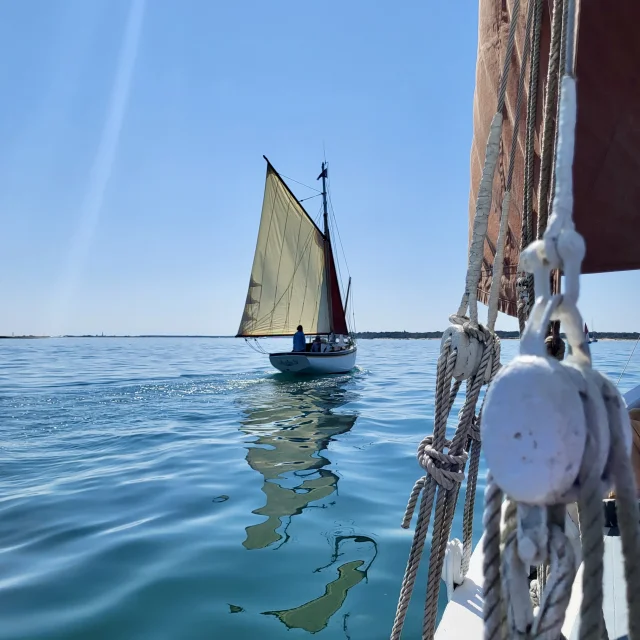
462, 619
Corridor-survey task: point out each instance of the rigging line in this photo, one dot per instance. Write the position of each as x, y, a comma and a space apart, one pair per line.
337, 257
629, 360
335, 223
301, 183
309, 198
335, 226
255, 345
353, 311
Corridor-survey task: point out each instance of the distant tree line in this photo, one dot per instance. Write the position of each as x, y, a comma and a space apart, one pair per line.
417, 335
505, 335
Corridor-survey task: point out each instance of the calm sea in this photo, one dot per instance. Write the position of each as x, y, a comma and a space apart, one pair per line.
179, 488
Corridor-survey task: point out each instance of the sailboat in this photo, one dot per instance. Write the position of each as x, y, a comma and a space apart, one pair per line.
587, 335
294, 282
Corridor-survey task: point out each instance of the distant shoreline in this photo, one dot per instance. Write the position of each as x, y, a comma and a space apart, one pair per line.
503, 335
362, 335
105, 337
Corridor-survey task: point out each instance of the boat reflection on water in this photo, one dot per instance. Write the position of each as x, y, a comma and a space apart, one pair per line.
293, 422
314, 616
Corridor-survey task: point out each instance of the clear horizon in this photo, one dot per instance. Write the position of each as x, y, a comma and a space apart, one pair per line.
131, 177
597, 334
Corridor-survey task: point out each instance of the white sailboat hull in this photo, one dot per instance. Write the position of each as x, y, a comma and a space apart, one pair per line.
307, 363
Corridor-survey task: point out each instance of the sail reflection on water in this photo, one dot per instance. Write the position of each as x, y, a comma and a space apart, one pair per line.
313, 616
293, 423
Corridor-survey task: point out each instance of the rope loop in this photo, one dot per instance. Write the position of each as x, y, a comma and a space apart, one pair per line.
442, 467
470, 352
477, 331
458, 319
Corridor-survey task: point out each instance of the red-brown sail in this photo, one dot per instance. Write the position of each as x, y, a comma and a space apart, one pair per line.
606, 168
338, 320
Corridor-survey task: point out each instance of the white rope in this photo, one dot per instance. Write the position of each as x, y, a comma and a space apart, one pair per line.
469, 352
494, 612
447, 497
498, 263
255, 345
485, 190
426, 486
481, 222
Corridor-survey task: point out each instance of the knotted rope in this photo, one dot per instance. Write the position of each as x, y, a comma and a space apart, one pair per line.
426, 486
444, 471
480, 346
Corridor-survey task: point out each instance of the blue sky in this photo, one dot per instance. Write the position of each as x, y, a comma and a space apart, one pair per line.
131, 171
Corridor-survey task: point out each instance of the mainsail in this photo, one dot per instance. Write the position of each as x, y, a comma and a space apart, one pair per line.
607, 152
293, 279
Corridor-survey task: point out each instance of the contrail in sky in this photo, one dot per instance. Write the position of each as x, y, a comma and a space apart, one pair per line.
101, 169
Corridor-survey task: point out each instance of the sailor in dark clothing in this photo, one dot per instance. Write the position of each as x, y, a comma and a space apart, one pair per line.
299, 341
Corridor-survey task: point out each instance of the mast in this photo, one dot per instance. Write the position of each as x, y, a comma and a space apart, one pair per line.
323, 175
328, 252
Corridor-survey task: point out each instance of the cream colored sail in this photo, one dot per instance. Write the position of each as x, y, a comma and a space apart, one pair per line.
288, 279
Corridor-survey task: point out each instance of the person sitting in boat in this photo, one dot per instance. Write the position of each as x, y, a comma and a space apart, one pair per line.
316, 346
299, 341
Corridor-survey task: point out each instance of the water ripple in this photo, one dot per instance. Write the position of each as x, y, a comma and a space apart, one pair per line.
182, 489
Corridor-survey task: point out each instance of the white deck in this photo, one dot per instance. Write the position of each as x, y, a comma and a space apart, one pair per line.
615, 601
462, 619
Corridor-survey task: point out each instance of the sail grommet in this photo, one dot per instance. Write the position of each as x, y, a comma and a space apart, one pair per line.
468, 348
534, 429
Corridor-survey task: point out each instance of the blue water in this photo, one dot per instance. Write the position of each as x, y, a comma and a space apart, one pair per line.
179, 488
